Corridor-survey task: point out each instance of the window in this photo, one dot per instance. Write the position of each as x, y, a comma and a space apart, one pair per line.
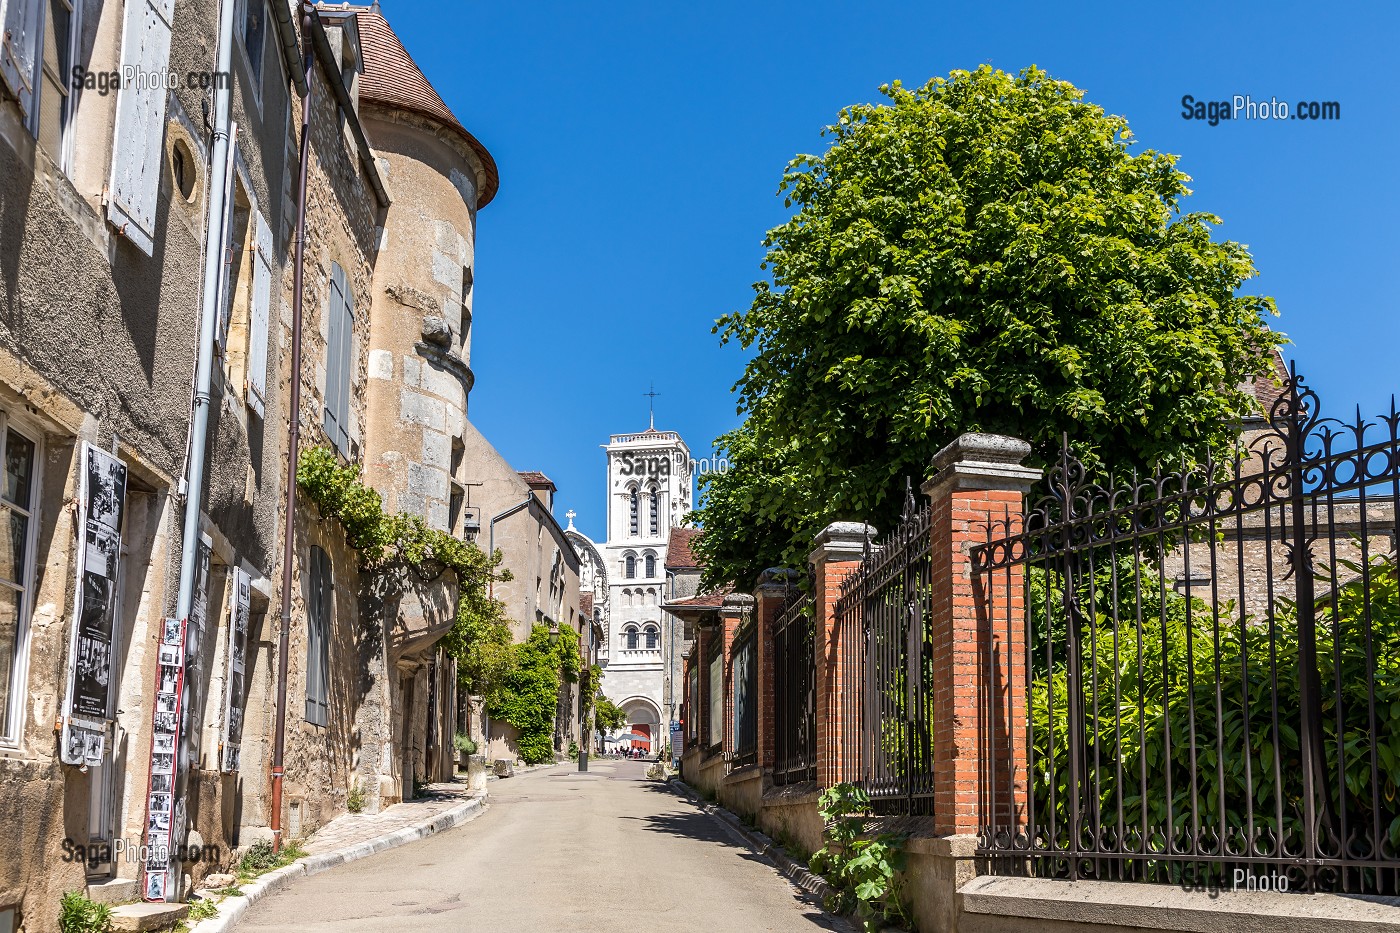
35, 62
340, 337
651, 566
18, 499
464, 329
454, 507
631, 633
651, 634
632, 520
320, 604
246, 288
655, 520
631, 565
253, 26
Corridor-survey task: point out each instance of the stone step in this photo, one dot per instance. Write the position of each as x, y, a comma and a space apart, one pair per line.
139, 917
116, 891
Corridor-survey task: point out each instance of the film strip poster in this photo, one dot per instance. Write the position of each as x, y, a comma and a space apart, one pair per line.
240, 594
165, 742
87, 706
173, 737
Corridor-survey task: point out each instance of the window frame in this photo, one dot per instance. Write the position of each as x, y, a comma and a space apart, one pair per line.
629, 565
12, 714
64, 157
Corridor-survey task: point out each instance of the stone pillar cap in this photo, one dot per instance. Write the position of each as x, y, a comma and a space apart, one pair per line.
736, 603
982, 461
777, 578
841, 541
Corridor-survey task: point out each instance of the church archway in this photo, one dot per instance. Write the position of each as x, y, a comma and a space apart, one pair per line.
643, 718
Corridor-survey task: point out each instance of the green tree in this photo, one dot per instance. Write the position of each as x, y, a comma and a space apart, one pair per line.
984, 253
527, 696
609, 715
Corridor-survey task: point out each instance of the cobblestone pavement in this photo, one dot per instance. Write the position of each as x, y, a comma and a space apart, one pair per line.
352, 828
555, 849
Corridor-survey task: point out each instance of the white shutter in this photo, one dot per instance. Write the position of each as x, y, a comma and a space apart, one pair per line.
334, 302
258, 314
140, 133
19, 47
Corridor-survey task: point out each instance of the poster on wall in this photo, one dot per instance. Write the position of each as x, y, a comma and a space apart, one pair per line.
174, 736
239, 600
716, 730
87, 706
165, 729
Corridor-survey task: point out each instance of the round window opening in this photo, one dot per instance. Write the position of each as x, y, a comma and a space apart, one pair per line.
182, 168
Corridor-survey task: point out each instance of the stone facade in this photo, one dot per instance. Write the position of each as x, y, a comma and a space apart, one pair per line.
98, 333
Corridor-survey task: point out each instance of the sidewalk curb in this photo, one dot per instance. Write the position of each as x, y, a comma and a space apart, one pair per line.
233, 907
799, 875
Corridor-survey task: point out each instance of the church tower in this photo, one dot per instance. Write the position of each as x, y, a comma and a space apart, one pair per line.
650, 491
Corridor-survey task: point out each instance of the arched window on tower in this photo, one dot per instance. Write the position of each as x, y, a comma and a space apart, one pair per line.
631, 635
632, 513
655, 521
631, 567
651, 633
651, 566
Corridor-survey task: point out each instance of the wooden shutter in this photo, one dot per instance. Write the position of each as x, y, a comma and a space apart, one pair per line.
140, 131
347, 363
317, 638
335, 313
258, 314
22, 21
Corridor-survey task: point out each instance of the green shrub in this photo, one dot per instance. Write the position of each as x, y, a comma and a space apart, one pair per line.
1155, 689
863, 871
355, 800
528, 696
202, 909
464, 743
78, 914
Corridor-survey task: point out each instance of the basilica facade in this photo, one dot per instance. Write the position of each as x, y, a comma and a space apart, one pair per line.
650, 484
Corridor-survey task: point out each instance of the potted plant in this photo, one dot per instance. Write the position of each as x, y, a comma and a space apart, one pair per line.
465, 747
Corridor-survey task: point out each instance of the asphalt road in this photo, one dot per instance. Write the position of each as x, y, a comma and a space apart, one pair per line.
557, 850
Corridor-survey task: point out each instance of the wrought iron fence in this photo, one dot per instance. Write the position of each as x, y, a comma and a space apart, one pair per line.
886, 691
712, 692
744, 671
794, 692
1213, 669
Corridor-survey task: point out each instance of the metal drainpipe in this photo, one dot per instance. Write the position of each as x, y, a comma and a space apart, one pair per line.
491, 528
279, 735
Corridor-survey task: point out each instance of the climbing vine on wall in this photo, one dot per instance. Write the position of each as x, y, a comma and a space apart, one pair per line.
528, 695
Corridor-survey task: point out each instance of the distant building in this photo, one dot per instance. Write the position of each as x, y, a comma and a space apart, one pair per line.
650, 484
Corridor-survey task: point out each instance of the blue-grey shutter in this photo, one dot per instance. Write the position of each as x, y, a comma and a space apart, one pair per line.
320, 598
335, 364
347, 363
20, 25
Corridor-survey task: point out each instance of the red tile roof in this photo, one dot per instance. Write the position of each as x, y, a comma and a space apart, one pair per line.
1267, 390
393, 79
680, 552
704, 601
537, 480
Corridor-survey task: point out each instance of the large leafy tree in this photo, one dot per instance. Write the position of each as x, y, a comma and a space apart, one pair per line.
984, 253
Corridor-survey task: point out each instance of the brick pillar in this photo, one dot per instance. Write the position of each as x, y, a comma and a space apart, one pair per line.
978, 636
774, 586
733, 612
837, 554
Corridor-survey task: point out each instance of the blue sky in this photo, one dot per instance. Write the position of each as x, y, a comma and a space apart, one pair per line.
640, 148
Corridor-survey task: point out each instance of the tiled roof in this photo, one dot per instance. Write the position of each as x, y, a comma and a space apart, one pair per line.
537, 480
1267, 390
704, 601
680, 552
393, 79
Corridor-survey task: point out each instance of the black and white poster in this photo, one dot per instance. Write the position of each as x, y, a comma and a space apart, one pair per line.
239, 601
101, 499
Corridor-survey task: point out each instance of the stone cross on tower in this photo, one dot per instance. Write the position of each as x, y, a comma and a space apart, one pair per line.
570, 516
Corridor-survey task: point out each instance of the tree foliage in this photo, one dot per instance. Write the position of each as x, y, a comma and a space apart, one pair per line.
608, 715
527, 696
984, 253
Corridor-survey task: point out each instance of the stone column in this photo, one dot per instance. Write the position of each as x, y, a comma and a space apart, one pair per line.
774, 587
837, 554
978, 636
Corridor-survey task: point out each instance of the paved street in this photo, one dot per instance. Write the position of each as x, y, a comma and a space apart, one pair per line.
556, 850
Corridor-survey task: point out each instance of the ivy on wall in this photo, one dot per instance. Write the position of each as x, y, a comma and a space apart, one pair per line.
528, 695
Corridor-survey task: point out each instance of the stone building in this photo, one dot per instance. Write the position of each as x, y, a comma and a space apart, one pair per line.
97, 343
650, 488
516, 518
